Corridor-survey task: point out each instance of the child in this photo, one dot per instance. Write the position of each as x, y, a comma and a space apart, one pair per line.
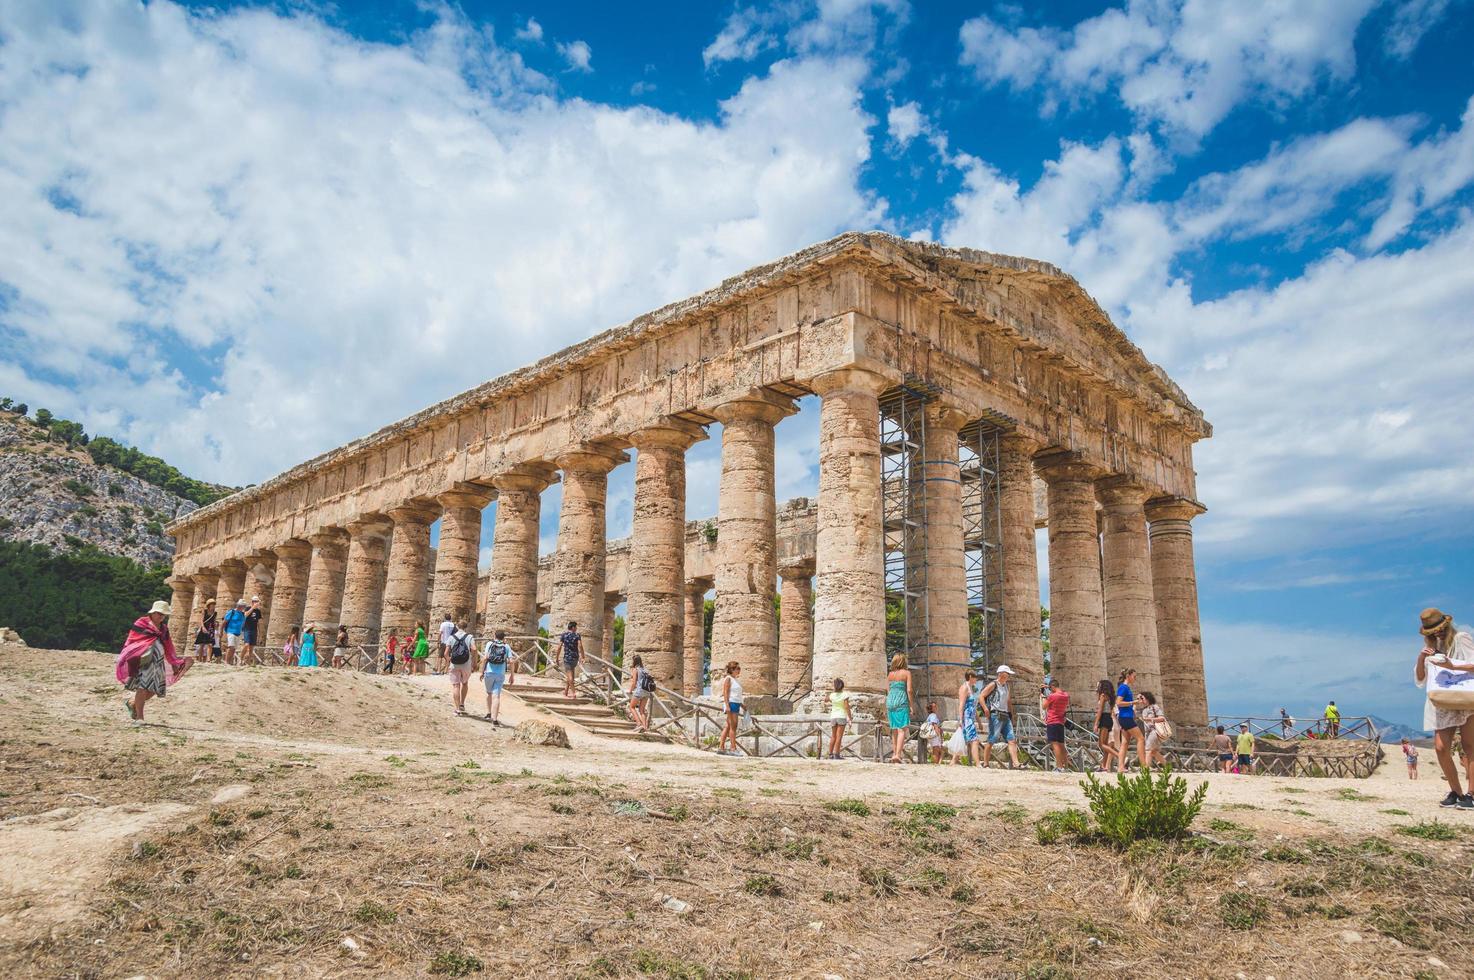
839, 717
933, 733
1410, 753
389, 658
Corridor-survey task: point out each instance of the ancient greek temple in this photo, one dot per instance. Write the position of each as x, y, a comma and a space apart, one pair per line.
950, 382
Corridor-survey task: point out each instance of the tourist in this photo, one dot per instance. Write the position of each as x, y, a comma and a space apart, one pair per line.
458, 651
1105, 723
1450, 651
1154, 723
1126, 705
1333, 721
732, 703
289, 649
1223, 745
391, 646
898, 705
571, 643
235, 624
641, 688
933, 733
997, 703
447, 630
1287, 724
340, 647
147, 664
839, 717
1054, 704
1247, 752
422, 647
967, 715
204, 639
251, 632
493, 672
1410, 756
307, 652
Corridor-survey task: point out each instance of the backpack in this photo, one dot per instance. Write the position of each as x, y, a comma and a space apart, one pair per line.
496, 652
645, 681
459, 652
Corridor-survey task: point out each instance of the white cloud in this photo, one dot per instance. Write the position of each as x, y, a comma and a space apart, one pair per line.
532, 31
326, 234
905, 122
1411, 20
743, 37
807, 27
578, 55
1180, 64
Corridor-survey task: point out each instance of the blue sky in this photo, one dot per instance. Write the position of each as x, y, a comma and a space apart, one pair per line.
238, 235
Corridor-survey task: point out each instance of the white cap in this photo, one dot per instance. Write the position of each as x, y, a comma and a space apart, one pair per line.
1004, 669
255, 598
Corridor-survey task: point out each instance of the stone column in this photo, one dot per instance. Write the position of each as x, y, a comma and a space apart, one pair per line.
325, 576
849, 586
405, 598
289, 591
206, 581
745, 628
694, 643
363, 580
1126, 571
232, 585
654, 626
796, 630
181, 605
578, 565
511, 588
948, 639
260, 577
1175, 585
1077, 616
459, 552
1023, 645
611, 600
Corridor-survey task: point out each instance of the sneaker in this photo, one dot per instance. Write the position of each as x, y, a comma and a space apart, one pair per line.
1451, 800
1466, 802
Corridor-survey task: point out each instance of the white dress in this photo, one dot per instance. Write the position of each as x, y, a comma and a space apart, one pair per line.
1434, 717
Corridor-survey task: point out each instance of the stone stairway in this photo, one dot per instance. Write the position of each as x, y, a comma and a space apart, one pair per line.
599, 719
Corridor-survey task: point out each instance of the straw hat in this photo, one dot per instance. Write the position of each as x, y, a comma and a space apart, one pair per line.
161, 607
1434, 620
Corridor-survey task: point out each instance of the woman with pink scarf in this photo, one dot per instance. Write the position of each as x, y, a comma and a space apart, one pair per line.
147, 665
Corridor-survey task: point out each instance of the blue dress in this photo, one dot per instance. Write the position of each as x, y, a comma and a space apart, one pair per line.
308, 656
897, 707
970, 716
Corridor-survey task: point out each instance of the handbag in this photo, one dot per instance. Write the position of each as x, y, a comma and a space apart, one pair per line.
1452, 690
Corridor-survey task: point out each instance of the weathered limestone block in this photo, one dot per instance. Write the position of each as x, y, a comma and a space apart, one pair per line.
796, 630
578, 566
289, 592
693, 674
1076, 612
511, 593
1175, 586
325, 576
405, 599
1023, 645
654, 615
745, 628
181, 604
232, 585
1126, 571
948, 642
541, 733
454, 590
363, 580
849, 584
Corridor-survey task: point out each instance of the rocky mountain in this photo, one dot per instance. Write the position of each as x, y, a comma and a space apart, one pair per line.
56, 495
1391, 731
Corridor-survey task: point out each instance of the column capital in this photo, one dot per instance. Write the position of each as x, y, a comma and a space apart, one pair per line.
946, 416
262, 557
1065, 466
413, 513
700, 586
370, 525
668, 433
854, 379
759, 404
205, 577
232, 565
527, 478
591, 458
1173, 508
329, 537
1120, 492
1019, 443
797, 569
293, 548
466, 495
177, 582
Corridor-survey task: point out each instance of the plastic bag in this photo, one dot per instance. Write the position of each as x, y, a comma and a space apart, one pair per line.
957, 744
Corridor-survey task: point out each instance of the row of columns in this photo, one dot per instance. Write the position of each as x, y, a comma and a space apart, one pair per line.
373, 572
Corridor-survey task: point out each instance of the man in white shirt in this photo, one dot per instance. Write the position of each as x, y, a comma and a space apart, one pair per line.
447, 629
461, 650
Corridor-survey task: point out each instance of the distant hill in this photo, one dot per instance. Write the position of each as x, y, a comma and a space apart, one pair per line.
1391, 731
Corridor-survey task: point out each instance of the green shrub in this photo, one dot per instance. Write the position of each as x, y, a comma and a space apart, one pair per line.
856, 807
1240, 910
1143, 807
763, 886
1055, 825
1429, 830
453, 964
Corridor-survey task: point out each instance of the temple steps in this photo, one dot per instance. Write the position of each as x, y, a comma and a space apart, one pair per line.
590, 715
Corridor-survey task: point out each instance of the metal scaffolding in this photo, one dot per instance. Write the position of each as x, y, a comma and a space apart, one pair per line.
904, 514
982, 541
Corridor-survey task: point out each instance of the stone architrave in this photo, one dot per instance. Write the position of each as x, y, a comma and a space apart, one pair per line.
206, 581
849, 583
1126, 572
1023, 645
363, 580
459, 551
181, 605
232, 585
693, 680
511, 590
578, 566
325, 577
654, 613
1076, 611
796, 630
1175, 586
289, 591
745, 628
948, 639
405, 599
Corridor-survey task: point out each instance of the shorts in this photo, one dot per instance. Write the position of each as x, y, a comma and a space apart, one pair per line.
1000, 727
460, 673
1055, 732
1127, 724
840, 721
639, 695
1225, 757
734, 707
233, 640
1104, 721
1246, 760
570, 663
493, 679
249, 638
